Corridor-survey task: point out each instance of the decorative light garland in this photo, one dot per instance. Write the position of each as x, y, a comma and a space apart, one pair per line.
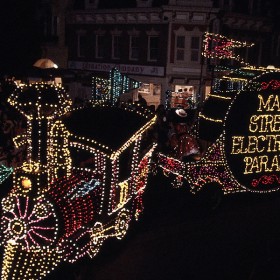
259, 146
219, 46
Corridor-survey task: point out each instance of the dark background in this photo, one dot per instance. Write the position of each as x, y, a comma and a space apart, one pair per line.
21, 30
20, 35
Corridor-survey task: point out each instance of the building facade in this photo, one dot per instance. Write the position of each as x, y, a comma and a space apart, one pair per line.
160, 46
159, 42
51, 17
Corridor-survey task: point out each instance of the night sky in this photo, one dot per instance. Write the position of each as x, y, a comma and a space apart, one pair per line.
19, 35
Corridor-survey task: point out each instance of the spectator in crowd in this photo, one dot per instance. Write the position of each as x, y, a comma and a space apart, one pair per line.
183, 145
141, 101
11, 125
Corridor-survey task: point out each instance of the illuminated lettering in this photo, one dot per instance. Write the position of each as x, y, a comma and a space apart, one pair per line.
269, 139
276, 143
275, 104
275, 164
259, 164
264, 123
253, 144
262, 145
263, 164
237, 144
276, 127
248, 162
253, 126
271, 104
262, 140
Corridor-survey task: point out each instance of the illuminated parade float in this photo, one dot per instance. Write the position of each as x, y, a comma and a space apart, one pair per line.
243, 136
82, 182
87, 167
238, 127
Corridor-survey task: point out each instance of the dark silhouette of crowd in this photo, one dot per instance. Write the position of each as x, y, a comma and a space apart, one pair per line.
12, 124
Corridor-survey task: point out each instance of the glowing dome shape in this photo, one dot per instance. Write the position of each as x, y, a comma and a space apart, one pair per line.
40, 100
45, 63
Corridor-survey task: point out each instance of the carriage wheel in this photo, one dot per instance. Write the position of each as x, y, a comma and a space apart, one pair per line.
122, 223
97, 238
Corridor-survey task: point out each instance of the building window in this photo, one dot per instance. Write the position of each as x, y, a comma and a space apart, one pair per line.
180, 47
134, 48
153, 48
116, 46
100, 44
81, 45
195, 45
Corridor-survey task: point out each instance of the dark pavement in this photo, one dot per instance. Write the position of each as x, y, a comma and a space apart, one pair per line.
179, 237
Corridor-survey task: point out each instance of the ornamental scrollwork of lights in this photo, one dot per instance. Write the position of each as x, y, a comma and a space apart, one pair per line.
243, 153
71, 193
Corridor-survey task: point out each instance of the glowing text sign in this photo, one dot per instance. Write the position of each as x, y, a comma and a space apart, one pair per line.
252, 138
263, 140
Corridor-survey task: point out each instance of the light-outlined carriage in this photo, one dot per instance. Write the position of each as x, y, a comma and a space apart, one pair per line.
82, 182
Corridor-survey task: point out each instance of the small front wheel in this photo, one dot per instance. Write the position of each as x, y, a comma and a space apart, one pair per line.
122, 223
96, 239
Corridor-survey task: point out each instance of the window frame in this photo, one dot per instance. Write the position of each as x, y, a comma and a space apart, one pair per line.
116, 48
81, 50
150, 48
195, 49
132, 49
180, 49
